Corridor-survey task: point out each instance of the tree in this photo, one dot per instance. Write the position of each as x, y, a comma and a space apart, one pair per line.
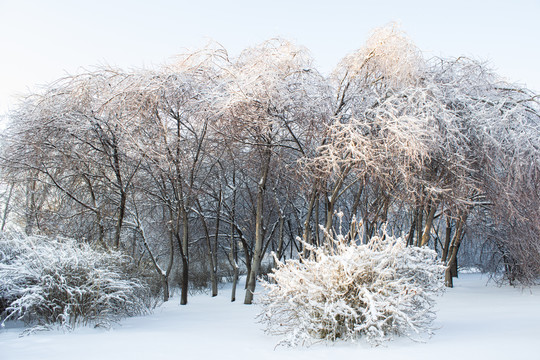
70, 138
272, 96
173, 141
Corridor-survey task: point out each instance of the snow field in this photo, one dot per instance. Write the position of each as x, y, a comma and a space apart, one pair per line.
474, 321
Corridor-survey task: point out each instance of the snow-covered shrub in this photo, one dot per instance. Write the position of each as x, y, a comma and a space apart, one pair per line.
47, 282
347, 291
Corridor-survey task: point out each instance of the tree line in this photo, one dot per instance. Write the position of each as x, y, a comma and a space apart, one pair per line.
206, 165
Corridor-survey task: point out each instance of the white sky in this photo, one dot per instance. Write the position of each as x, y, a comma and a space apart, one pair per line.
41, 41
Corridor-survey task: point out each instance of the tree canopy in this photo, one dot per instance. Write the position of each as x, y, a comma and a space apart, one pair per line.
206, 165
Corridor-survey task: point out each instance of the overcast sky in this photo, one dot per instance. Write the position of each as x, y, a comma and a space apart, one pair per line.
43, 40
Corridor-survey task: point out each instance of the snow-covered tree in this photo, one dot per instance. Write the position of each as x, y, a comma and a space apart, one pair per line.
70, 141
273, 99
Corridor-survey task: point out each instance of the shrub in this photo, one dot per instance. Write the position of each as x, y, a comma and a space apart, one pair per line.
47, 282
347, 291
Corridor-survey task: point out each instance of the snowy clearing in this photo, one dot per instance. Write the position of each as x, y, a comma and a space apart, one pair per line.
475, 321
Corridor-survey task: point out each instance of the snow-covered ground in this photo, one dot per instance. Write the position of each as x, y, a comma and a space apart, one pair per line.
475, 321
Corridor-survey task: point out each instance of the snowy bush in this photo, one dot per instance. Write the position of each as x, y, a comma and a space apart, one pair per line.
347, 291
46, 282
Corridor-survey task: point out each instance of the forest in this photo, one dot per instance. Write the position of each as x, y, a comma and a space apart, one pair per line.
193, 173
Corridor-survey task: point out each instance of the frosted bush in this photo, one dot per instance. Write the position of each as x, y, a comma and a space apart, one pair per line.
46, 282
347, 291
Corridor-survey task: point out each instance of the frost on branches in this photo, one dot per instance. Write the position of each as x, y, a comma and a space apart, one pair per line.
46, 282
347, 291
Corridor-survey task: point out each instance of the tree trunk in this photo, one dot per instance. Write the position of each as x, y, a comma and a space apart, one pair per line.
209, 252
357, 198
185, 281
163, 275
281, 236
123, 195
214, 262
234, 260
30, 211
317, 227
6, 207
165, 286
410, 237
332, 199
429, 223
292, 239
451, 266
306, 236
234, 251
447, 240
169, 268
329, 214
120, 220
247, 252
97, 211
419, 223
257, 252
185, 259
101, 230
235, 282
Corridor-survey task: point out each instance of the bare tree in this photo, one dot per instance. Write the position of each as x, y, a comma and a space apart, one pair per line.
272, 93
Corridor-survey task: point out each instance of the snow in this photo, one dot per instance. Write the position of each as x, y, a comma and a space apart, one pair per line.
475, 321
